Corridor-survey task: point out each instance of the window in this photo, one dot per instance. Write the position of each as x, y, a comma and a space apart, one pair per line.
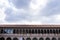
47, 30
47, 39
15, 38
35, 31
8, 38
24, 31
41, 38
41, 31
28, 38
2, 38
20, 31
32, 31
54, 31
8, 31
50, 30
34, 39
59, 30
54, 39
38, 31
27, 31
1, 31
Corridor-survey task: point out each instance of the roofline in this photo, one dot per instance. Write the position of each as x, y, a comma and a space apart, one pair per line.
25, 25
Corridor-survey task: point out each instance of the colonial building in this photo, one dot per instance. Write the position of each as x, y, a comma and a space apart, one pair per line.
29, 32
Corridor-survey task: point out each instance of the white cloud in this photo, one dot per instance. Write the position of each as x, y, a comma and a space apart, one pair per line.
31, 15
36, 6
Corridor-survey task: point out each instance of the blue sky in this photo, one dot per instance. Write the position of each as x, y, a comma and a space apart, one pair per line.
29, 11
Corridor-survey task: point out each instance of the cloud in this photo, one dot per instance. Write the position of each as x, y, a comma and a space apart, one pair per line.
20, 3
15, 15
52, 8
29, 11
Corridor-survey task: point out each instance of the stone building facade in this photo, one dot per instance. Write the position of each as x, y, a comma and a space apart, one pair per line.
29, 32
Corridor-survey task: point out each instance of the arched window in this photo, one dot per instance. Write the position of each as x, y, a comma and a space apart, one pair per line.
57, 31
47, 39
41, 31
32, 31
35, 39
50, 30
15, 38
8, 38
2, 31
38, 31
47, 31
41, 38
54, 31
35, 31
28, 38
2, 38
27, 31
54, 39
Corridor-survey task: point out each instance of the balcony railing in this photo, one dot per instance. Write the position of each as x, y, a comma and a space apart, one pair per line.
29, 31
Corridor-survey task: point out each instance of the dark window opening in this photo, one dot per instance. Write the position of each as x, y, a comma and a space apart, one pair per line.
48, 31
35, 39
8, 38
20, 31
2, 38
27, 31
41, 38
35, 31
24, 31
54, 39
59, 30
14, 31
54, 31
15, 38
38, 31
47, 39
28, 38
41, 31
2, 31
32, 31
45, 31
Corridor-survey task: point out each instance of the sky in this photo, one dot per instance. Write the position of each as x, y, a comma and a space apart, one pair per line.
29, 11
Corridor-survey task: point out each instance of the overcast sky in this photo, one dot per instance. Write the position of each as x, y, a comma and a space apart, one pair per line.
30, 11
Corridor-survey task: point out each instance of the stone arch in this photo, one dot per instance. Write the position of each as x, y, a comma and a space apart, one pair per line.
47, 39
9, 38
15, 38
54, 38
28, 38
34, 39
2, 38
41, 38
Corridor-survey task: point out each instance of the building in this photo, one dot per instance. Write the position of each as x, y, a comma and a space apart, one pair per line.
29, 32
